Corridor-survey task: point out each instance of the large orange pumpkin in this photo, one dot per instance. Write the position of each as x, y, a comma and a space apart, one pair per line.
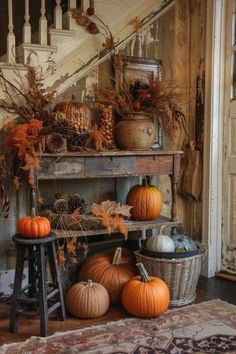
146, 201
145, 296
112, 270
87, 300
33, 226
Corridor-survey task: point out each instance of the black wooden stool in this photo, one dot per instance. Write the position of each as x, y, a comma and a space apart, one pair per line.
45, 297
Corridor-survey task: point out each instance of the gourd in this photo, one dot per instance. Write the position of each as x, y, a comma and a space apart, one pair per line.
112, 270
77, 114
145, 296
160, 243
33, 226
146, 201
184, 243
87, 300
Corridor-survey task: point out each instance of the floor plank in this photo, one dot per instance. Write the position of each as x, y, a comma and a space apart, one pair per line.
207, 289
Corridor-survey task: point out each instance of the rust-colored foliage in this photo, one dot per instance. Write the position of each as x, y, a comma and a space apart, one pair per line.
112, 215
26, 141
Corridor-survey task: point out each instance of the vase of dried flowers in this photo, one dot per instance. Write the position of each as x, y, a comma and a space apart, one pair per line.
136, 131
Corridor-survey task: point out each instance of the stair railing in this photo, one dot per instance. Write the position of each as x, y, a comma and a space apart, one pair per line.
51, 14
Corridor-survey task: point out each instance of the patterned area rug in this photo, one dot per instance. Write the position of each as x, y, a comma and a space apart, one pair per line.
208, 327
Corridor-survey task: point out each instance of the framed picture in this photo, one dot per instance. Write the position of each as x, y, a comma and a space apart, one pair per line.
129, 69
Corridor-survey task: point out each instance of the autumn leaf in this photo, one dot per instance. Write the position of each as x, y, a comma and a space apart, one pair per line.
111, 208
40, 200
137, 23
112, 215
16, 182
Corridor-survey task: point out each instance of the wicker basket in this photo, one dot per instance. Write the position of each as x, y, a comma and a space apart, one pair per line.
180, 274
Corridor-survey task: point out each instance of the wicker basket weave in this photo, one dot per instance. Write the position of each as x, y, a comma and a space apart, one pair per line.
180, 274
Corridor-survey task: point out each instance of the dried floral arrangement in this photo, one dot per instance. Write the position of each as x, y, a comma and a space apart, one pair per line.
109, 215
39, 125
159, 99
95, 25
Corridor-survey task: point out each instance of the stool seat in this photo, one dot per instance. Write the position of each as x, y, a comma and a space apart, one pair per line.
22, 240
38, 294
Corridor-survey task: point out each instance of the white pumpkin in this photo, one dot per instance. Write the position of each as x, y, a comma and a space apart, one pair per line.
160, 243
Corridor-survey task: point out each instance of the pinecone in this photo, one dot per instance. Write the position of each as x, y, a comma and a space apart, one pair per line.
60, 206
62, 125
107, 125
77, 115
56, 143
75, 201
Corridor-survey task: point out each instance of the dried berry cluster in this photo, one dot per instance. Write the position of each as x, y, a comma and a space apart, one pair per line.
107, 125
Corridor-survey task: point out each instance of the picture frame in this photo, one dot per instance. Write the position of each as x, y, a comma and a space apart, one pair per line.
130, 69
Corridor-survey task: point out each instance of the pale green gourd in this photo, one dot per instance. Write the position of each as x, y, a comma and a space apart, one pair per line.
161, 242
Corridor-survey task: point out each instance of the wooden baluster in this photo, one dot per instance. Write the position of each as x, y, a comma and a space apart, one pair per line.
156, 38
138, 50
71, 21
71, 4
27, 27
85, 4
11, 40
43, 25
58, 15
146, 44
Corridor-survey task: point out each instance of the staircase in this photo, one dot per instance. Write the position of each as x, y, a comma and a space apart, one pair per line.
66, 51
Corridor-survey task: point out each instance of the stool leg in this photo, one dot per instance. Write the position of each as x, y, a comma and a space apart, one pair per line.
32, 273
20, 258
56, 280
42, 293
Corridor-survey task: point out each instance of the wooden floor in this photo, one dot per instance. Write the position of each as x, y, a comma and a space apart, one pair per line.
207, 289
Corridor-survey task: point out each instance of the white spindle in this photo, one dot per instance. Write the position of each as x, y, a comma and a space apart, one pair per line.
156, 38
138, 45
58, 15
43, 25
27, 27
71, 23
11, 40
71, 4
85, 4
146, 43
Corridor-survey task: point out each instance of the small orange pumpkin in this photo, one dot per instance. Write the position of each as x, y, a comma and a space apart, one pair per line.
146, 201
112, 270
33, 226
87, 300
145, 296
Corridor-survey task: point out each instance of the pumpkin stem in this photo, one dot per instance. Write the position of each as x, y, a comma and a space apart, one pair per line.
89, 283
117, 257
33, 213
145, 182
143, 272
162, 228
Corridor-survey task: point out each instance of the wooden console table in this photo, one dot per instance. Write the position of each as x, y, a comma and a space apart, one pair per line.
74, 165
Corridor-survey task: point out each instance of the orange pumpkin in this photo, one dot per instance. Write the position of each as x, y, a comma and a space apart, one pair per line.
145, 296
87, 300
146, 201
112, 270
33, 226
